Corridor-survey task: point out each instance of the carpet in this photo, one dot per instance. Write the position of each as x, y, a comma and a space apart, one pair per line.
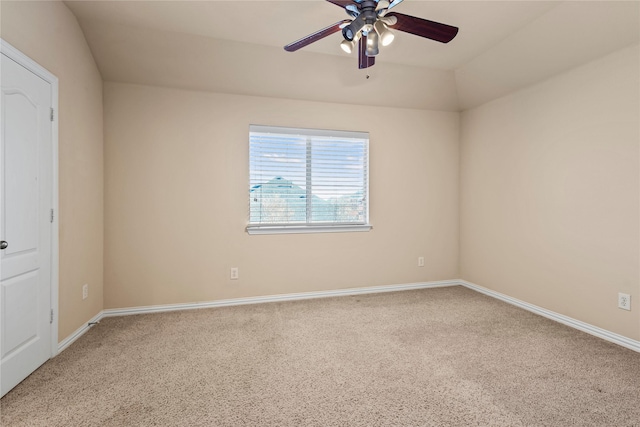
431, 357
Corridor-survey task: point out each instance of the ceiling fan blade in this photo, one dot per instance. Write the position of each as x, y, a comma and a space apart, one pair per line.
341, 3
364, 61
421, 27
314, 37
393, 4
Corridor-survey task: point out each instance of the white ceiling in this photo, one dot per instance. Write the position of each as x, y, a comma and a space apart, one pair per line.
236, 47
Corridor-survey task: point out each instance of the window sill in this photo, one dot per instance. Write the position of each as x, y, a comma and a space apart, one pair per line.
303, 229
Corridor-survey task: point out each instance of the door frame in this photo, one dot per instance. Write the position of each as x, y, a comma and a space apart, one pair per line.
31, 65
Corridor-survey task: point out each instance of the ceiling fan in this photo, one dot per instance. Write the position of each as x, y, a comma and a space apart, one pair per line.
369, 27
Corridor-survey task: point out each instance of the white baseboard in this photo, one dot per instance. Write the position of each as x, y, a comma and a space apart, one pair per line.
577, 324
566, 320
79, 332
276, 298
242, 301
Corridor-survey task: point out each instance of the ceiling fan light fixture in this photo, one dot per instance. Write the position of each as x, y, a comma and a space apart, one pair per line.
382, 4
347, 45
372, 44
350, 31
386, 36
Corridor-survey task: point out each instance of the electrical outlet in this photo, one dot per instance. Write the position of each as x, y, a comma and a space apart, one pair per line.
234, 273
624, 301
421, 261
85, 291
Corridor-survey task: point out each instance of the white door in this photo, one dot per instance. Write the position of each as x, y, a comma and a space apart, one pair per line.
26, 231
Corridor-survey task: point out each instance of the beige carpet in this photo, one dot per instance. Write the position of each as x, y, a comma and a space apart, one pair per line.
435, 357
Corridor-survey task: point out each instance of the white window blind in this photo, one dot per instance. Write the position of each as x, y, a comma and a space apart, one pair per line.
307, 179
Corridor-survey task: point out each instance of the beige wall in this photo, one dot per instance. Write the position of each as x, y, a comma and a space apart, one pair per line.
49, 33
176, 171
550, 193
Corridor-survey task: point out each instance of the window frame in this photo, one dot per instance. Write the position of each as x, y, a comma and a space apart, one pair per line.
298, 228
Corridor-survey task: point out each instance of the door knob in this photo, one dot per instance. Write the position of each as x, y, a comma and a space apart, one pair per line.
3, 244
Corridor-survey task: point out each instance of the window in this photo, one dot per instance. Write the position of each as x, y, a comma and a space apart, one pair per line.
307, 180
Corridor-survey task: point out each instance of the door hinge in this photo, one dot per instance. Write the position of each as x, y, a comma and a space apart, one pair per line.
51, 113
52, 216
51, 319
